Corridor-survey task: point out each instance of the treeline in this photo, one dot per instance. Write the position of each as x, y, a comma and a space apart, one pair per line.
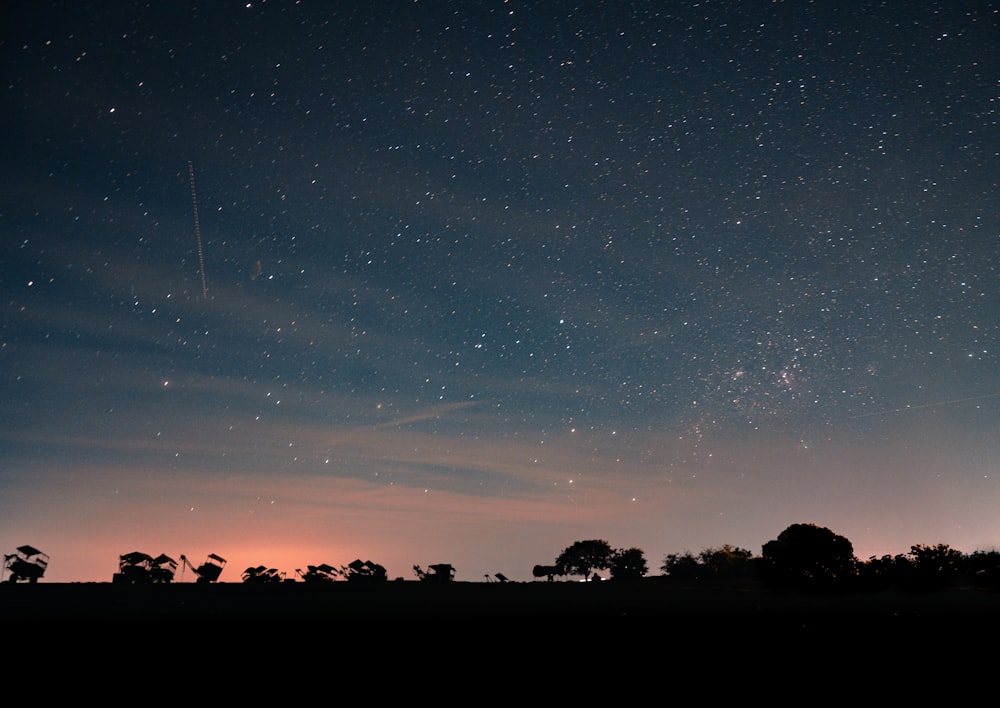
804, 557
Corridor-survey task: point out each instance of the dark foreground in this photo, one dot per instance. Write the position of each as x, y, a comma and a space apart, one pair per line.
400, 639
645, 603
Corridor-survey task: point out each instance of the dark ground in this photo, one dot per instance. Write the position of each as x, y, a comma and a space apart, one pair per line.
492, 642
646, 603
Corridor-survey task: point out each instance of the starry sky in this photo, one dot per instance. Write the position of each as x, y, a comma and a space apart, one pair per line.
425, 282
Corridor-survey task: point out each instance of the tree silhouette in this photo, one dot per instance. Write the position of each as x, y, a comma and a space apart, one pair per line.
727, 563
724, 563
683, 566
628, 564
983, 568
933, 567
584, 556
879, 573
808, 557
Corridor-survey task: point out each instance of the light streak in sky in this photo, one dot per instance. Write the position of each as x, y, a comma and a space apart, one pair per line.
934, 404
433, 414
197, 233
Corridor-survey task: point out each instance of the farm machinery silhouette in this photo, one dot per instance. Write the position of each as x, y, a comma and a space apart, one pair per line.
438, 573
323, 573
209, 571
26, 564
357, 571
139, 568
262, 574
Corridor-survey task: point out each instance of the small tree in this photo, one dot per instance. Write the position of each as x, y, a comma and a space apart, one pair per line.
628, 564
933, 567
983, 568
879, 573
683, 566
584, 556
727, 562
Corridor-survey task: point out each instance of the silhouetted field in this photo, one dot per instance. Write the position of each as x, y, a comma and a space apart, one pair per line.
506, 637
649, 602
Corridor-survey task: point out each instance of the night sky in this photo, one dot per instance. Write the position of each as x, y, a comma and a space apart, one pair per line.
466, 282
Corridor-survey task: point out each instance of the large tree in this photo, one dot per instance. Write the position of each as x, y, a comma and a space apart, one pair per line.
808, 557
628, 564
584, 556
